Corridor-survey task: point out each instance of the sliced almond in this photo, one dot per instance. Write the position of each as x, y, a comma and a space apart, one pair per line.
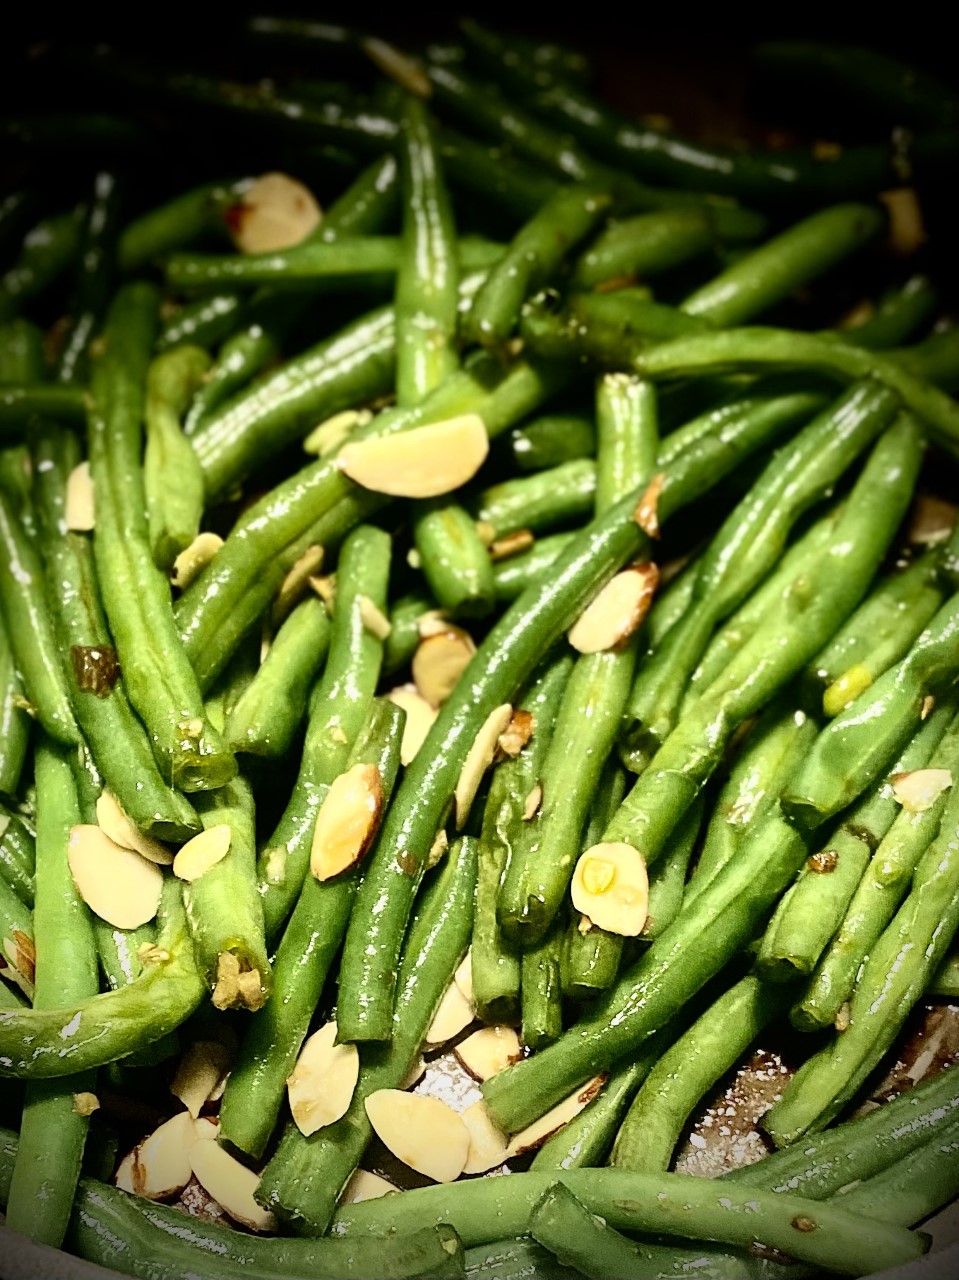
511, 544
931, 520
919, 790
646, 514
329, 435
907, 231
533, 802
207, 1129
79, 510
194, 558
423, 1132
297, 582
365, 1186
322, 1083
397, 65
434, 622
438, 849
488, 1144
478, 760
204, 851
373, 618
463, 977
616, 612
611, 887
488, 1051
422, 463
439, 661
20, 953
116, 824
347, 822
231, 1185
276, 212
419, 719
454, 1015
159, 1168
516, 734
555, 1119
324, 586
118, 885
198, 1073
85, 1103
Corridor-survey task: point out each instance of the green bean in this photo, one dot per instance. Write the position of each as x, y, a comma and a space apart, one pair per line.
47, 251
541, 501
494, 174
936, 359
120, 961
304, 1179
10, 999
862, 738
185, 218
645, 246
541, 990
115, 736
898, 314
912, 1189
21, 352
512, 576
608, 328
552, 439
667, 880
172, 475
94, 278
339, 706
17, 857
517, 1259
203, 321
356, 260
670, 603
20, 404
29, 628
627, 436
946, 981
505, 660
401, 643
455, 560
874, 903
255, 1089
520, 59
54, 1127
16, 921
14, 718
16, 210
159, 679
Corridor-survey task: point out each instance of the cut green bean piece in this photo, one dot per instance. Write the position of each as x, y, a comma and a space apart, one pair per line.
561, 495
172, 475
554, 438
454, 558
541, 990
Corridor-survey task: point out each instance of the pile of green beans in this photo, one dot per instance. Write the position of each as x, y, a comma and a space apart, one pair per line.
222, 616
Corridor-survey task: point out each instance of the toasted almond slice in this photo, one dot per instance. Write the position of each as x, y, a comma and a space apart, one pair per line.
616, 612
322, 1083
463, 977
478, 760
276, 212
511, 544
516, 734
206, 1128
438, 849
198, 1073
365, 1186
231, 1185
204, 851
434, 622
647, 512
419, 719
347, 822
422, 1132
931, 520
79, 512
439, 661
454, 1015
919, 790
555, 1119
928, 703
373, 618
422, 463
21, 955
159, 1168
397, 65
85, 1103
489, 1145
296, 583
488, 1051
533, 802
194, 558
118, 885
907, 231
611, 887
129, 1176
116, 824
329, 435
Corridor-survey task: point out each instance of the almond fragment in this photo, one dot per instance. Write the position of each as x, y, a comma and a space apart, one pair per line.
365, 1186
511, 545
204, 851
329, 435
276, 212
422, 1132
434, 622
454, 1015
439, 661
516, 734
488, 1051
488, 1144
919, 790
85, 1103
159, 1168
907, 231
373, 618
463, 977
20, 954
231, 1185
79, 514
206, 1129
616, 612
533, 802
438, 849
611, 887
116, 824
478, 760
347, 822
419, 719
928, 703
296, 583
423, 463
931, 520
118, 885
647, 512
555, 1119
199, 1071
194, 558
322, 1083
324, 585
397, 65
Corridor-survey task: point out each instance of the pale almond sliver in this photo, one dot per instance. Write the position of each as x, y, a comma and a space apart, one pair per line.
117, 884
919, 790
79, 511
419, 720
321, 1085
194, 558
424, 462
611, 887
422, 1132
440, 659
555, 1119
616, 612
276, 212
112, 820
230, 1184
478, 760
204, 851
347, 822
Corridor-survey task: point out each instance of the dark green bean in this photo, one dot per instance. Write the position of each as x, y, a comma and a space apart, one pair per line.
643, 247
560, 495
185, 218
14, 718
204, 321
541, 990
18, 405
94, 278
454, 558
47, 251
512, 576
554, 438
667, 880
17, 856
172, 475
897, 315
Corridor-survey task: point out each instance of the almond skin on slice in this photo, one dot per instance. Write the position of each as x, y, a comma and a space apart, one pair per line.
347, 822
616, 612
516, 734
321, 1085
159, 1168
419, 720
276, 212
198, 1073
478, 760
117, 884
194, 558
611, 887
919, 790
422, 463
112, 820
454, 1015
79, 513
488, 1051
489, 1145
554, 1119
365, 1186
647, 512
440, 659
422, 1132
204, 851
230, 1184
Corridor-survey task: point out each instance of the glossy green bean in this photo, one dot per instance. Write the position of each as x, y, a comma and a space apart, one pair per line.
539, 502
187, 217
643, 247
455, 560
897, 315
20, 404
512, 576
552, 439
14, 718
17, 857
667, 880
541, 990
204, 321
94, 278
47, 251
172, 474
